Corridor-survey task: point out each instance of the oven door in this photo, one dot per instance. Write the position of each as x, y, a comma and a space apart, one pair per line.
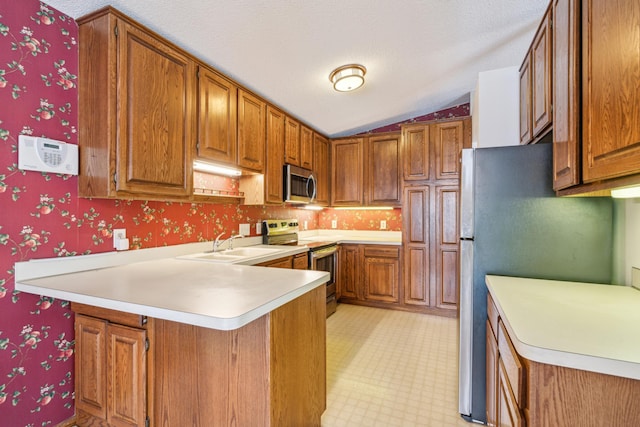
326, 260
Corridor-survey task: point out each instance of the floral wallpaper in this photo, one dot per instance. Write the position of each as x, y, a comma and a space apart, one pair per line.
461, 110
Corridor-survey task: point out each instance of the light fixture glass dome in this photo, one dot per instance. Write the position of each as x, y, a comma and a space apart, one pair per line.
348, 77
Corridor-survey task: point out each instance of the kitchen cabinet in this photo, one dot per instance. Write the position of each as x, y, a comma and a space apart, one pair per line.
536, 84
275, 155
541, 88
135, 112
292, 142
111, 368
251, 131
322, 168
416, 152
347, 183
430, 208
526, 128
306, 147
348, 271
528, 393
383, 186
276, 363
301, 261
610, 96
369, 275
298, 262
217, 117
566, 93
381, 273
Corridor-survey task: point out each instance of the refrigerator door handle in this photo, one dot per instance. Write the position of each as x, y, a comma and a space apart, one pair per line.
466, 327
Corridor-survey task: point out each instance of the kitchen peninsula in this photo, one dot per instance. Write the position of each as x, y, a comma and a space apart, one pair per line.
196, 342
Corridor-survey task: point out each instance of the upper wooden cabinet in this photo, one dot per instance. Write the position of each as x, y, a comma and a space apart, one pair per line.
526, 130
217, 117
322, 168
610, 95
292, 142
276, 130
448, 140
306, 147
135, 111
383, 167
251, 131
416, 152
347, 172
535, 84
566, 93
431, 151
541, 56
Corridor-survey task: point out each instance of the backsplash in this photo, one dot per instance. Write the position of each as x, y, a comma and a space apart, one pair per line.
353, 219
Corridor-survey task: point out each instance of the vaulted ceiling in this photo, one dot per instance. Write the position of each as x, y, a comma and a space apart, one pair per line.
420, 55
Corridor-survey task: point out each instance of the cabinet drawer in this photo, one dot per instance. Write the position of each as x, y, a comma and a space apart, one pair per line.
113, 316
492, 315
512, 366
508, 413
381, 252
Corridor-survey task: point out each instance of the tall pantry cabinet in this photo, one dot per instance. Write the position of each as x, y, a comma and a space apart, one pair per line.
431, 177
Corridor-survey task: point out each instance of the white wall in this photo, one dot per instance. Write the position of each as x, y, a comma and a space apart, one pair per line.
631, 237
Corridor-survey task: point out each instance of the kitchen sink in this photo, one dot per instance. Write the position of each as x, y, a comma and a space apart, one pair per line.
231, 255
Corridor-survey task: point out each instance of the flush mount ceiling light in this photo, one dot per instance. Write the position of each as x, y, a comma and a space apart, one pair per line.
348, 77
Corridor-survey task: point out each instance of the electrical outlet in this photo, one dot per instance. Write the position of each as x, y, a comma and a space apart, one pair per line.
383, 225
258, 228
244, 229
305, 225
120, 241
334, 223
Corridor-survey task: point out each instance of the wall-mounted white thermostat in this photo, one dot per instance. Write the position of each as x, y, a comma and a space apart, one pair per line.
47, 155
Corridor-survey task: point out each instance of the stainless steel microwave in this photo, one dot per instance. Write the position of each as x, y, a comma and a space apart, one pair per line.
299, 185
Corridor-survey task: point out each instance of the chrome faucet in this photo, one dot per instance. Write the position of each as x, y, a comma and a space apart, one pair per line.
217, 243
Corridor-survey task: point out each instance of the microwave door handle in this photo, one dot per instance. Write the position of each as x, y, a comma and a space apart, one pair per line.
312, 178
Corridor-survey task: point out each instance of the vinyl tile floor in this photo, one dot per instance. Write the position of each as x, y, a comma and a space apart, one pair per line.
391, 368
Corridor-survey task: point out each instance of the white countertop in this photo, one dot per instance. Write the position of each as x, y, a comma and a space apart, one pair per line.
352, 237
593, 327
212, 295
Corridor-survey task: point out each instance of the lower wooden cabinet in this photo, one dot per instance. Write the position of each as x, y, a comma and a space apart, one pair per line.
298, 262
369, 274
301, 261
134, 371
111, 372
521, 392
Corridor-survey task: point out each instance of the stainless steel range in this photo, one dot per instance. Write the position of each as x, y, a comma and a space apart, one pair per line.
322, 254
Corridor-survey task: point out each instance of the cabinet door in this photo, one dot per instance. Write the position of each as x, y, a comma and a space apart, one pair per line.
492, 377
348, 271
383, 170
416, 152
217, 117
275, 155
251, 131
611, 99
90, 366
301, 262
541, 77
416, 243
447, 140
509, 414
346, 172
156, 88
286, 262
321, 167
566, 93
292, 142
447, 236
526, 132
126, 376
306, 147
381, 273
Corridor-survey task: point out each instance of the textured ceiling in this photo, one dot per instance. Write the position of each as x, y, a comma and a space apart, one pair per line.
420, 55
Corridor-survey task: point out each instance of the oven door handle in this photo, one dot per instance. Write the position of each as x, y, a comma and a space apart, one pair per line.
324, 252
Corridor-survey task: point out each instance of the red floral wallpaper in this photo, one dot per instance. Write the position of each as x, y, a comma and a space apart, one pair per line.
461, 110
353, 219
41, 215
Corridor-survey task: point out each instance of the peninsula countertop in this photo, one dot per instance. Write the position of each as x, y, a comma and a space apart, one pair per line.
593, 327
212, 295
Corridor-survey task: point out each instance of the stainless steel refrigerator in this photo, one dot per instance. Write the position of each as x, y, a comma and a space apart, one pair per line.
512, 224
